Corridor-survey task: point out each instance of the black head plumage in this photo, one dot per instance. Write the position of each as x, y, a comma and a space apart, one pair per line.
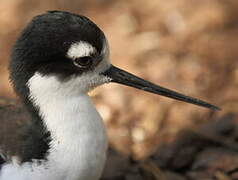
43, 44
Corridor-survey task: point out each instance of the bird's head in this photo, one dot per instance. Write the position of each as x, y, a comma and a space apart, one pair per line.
65, 52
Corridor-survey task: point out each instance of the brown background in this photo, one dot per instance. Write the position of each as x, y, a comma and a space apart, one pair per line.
187, 45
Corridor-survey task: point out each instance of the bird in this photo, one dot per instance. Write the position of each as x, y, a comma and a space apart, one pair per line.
55, 132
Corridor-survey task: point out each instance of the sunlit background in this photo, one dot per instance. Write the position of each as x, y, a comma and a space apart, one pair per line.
187, 45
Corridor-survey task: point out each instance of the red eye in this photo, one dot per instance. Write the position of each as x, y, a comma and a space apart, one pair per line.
83, 62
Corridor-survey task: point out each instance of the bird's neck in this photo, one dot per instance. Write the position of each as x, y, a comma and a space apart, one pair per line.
79, 141
77, 150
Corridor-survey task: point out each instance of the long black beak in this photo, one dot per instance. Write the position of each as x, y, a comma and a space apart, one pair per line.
122, 77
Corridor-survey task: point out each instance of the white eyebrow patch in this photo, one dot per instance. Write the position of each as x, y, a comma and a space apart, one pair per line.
80, 49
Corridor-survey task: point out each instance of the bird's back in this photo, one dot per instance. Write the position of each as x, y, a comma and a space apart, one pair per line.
16, 136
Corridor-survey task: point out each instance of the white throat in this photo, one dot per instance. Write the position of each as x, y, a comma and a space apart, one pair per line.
79, 142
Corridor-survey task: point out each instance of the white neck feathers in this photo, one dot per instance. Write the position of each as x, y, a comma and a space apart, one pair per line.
79, 142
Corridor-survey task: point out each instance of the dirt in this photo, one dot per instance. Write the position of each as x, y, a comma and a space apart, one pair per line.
186, 45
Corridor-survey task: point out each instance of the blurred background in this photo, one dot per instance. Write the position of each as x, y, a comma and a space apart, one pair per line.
187, 45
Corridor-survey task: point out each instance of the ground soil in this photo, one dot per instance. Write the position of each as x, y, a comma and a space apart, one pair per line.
186, 45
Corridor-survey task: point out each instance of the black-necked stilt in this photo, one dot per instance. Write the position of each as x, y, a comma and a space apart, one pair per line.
57, 59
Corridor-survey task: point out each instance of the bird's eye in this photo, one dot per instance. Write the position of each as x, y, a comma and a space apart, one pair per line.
83, 62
